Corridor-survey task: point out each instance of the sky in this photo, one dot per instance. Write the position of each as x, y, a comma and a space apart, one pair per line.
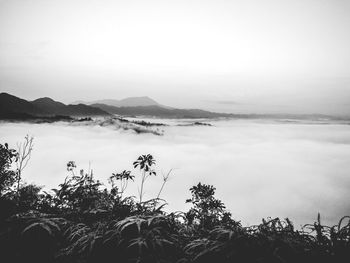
245, 56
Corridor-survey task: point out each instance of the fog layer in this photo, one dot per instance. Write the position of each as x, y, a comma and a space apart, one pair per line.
260, 169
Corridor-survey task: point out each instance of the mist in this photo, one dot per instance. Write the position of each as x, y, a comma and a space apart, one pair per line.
260, 168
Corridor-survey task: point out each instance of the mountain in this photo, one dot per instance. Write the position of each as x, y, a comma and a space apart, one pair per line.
159, 111
146, 106
12, 107
50, 106
137, 101
10, 104
17, 108
127, 102
58, 108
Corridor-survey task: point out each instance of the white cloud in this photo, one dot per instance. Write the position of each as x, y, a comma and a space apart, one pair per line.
260, 169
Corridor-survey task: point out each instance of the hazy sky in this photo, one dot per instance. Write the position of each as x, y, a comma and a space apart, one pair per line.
240, 56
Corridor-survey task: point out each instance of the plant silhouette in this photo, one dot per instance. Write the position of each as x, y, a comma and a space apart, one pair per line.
83, 221
145, 163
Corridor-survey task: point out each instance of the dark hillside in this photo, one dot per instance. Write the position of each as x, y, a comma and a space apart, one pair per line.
11, 106
58, 108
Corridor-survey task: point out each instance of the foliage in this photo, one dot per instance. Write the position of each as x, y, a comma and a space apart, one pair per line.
7, 175
207, 211
79, 193
82, 221
29, 197
145, 162
124, 178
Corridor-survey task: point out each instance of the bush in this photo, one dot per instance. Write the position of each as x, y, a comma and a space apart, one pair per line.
81, 221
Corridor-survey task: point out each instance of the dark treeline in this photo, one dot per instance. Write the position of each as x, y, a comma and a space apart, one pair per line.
83, 221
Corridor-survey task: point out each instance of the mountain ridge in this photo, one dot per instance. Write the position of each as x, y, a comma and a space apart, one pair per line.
162, 112
12, 107
18, 108
126, 102
8, 101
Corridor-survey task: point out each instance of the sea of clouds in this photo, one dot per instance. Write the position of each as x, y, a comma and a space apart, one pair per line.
259, 168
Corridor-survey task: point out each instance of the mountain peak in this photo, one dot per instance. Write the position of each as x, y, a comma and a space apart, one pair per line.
7, 95
44, 99
47, 102
137, 101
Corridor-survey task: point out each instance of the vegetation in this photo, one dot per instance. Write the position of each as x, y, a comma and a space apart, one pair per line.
83, 221
148, 124
121, 123
197, 123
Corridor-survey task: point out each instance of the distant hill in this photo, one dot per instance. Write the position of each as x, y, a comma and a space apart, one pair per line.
127, 102
158, 111
145, 106
58, 108
17, 108
12, 107
162, 112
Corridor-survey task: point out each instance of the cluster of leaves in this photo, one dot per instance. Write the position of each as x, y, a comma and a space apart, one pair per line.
7, 175
273, 240
164, 238
207, 211
83, 222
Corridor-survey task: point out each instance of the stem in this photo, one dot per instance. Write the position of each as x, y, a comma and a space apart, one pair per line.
121, 189
161, 189
24, 151
18, 182
165, 179
142, 182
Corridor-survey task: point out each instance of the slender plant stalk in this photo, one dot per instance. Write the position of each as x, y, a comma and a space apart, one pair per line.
165, 180
24, 150
142, 183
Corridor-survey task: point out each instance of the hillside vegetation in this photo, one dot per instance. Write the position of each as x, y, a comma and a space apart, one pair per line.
83, 221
